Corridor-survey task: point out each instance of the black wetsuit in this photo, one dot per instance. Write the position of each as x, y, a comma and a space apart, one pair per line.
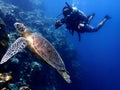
77, 21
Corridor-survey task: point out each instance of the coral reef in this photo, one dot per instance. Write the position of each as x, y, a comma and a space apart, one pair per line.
3, 38
25, 68
22, 5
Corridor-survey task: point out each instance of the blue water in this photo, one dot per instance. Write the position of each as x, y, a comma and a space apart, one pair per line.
97, 53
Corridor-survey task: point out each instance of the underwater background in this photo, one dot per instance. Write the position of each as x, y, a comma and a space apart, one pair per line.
93, 62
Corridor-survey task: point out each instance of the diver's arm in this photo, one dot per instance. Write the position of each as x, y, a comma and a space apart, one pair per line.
59, 23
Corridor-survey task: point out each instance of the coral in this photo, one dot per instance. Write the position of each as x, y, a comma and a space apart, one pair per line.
29, 70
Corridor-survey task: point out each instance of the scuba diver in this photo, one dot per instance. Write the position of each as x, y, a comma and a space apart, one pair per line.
76, 20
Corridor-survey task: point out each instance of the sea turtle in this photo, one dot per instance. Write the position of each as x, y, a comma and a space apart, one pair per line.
41, 47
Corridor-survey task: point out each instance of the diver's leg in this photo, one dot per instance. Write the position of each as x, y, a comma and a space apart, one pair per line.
89, 28
90, 17
102, 22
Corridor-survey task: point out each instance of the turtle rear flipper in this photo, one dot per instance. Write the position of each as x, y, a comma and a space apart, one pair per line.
65, 75
16, 47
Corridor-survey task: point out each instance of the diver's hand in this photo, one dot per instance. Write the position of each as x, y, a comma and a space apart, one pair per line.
58, 24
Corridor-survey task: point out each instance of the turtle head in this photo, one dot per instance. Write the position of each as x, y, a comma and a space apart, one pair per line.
20, 27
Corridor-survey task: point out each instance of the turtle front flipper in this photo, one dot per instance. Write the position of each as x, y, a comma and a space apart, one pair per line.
16, 47
65, 75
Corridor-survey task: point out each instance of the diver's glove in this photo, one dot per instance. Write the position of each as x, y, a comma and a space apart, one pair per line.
58, 24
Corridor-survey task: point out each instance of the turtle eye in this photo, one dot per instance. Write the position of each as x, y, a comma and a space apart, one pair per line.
20, 27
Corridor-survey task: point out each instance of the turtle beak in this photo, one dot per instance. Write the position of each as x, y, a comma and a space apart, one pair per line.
16, 25
19, 27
